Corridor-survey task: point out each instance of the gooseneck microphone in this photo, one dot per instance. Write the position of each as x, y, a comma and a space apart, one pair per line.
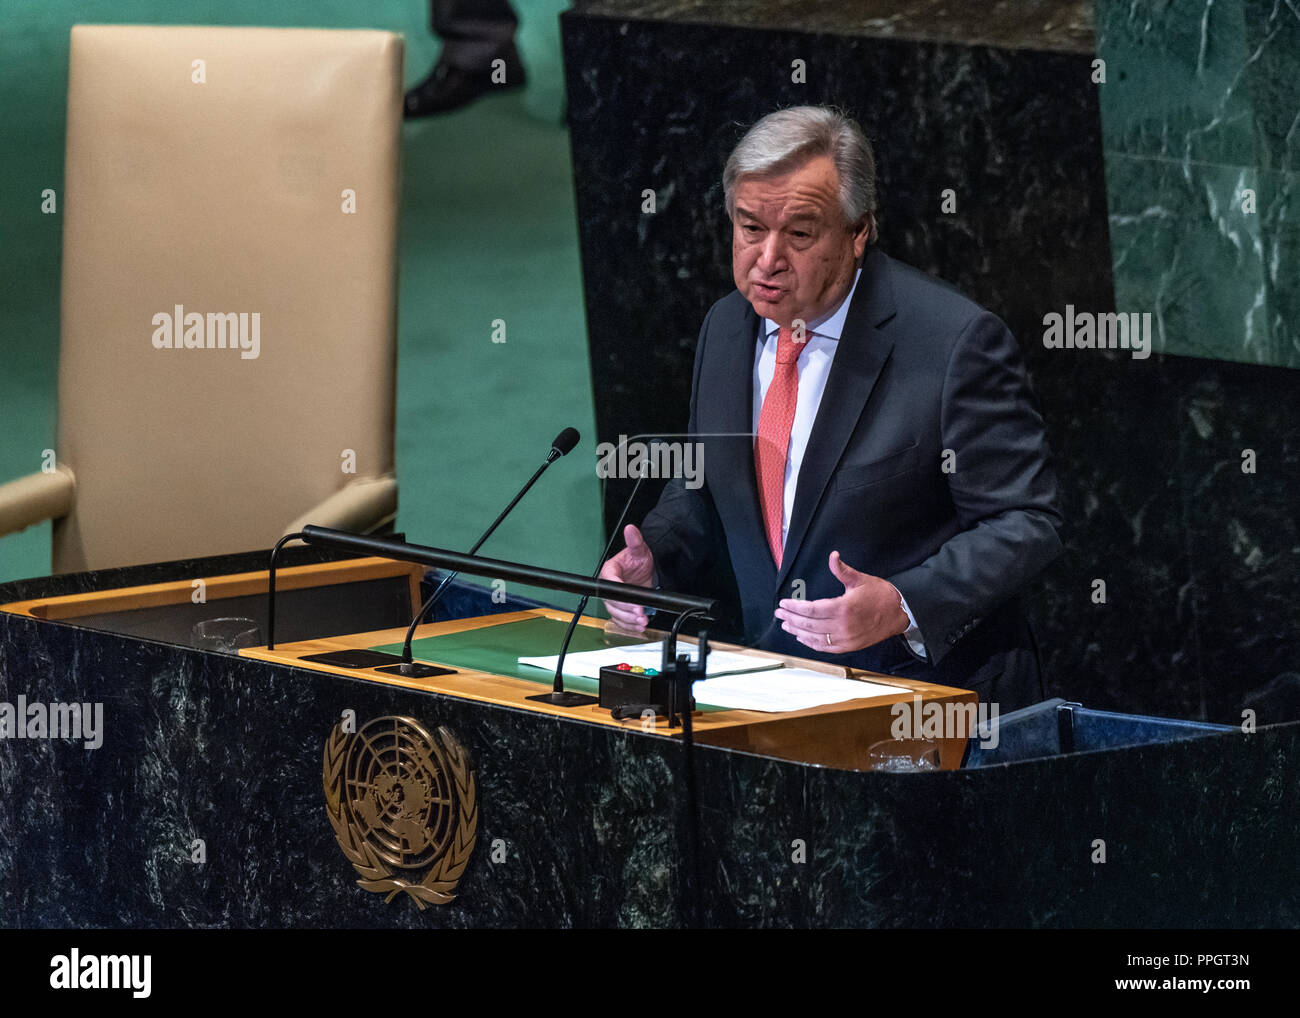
564, 444
558, 696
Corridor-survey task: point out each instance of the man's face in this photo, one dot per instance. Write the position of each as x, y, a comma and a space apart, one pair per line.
792, 254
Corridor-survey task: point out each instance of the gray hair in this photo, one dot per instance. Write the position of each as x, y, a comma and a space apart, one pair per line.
784, 139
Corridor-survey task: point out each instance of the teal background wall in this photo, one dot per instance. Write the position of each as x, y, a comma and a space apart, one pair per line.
487, 231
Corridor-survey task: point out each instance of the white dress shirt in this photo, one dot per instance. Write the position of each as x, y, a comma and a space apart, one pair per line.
814, 367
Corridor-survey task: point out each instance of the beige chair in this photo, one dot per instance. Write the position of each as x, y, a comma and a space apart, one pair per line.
228, 349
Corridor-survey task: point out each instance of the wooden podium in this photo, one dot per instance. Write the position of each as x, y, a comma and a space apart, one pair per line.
839, 735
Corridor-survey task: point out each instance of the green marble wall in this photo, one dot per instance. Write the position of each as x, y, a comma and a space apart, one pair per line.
1200, 112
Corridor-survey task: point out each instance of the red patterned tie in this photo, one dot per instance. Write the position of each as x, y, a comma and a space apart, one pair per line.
772, 443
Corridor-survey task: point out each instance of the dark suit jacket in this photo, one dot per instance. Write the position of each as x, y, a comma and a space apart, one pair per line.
919, 369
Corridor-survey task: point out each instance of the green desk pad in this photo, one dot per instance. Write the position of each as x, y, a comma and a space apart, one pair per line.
497, 649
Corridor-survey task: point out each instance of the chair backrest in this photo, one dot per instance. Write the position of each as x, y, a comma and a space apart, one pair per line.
229, 283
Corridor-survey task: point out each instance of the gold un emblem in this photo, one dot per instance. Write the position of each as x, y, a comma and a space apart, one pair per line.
400, 802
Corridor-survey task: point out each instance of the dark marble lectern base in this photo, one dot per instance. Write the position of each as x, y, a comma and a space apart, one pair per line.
580, 825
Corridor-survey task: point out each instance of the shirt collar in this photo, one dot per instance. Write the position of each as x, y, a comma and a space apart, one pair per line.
829, 326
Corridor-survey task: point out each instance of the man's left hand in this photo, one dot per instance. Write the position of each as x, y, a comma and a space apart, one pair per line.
869, 610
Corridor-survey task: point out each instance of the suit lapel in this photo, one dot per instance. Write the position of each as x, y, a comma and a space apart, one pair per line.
861, 355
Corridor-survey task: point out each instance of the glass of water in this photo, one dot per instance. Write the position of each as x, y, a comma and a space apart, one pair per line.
226, 636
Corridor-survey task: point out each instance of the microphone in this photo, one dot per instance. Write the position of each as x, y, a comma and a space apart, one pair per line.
558, 696
563, 445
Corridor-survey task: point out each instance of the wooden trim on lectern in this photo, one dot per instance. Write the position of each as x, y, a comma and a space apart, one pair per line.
321, 574
837, 735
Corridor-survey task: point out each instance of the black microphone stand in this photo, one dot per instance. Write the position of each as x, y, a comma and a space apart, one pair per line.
558, 696
517, 572
684, 675
560, 447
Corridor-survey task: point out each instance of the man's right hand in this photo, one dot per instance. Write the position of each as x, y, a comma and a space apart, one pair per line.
635, 564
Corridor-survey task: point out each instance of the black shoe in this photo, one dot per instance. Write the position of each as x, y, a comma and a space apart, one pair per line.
449, 88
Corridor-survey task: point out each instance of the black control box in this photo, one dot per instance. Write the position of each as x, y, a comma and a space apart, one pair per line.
621, 687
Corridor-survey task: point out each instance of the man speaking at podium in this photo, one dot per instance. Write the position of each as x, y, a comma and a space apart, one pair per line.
890, 492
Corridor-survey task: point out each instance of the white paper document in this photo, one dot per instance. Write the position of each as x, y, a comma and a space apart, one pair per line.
650, 655
786, 689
